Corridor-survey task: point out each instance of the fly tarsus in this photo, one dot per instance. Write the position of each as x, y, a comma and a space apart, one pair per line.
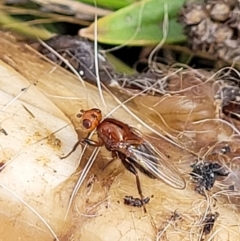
73, 149
129, 200
135, 202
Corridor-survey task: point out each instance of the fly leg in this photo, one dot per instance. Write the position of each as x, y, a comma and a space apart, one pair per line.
73, 149
83, 141
114, 157
92, 142
130, 167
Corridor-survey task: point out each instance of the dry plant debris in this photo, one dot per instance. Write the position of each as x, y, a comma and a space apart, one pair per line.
188, 122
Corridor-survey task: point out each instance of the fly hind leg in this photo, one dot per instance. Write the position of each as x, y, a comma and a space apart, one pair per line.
130, 167
114, 157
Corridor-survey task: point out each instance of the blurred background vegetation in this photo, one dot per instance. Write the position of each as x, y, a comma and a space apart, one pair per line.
137, 25
202, 34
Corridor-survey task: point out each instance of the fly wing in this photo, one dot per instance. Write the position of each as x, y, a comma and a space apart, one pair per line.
150, 159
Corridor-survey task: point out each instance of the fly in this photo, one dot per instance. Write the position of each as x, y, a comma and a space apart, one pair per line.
132, 148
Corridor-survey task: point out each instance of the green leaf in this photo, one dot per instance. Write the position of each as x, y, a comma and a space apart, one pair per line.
21, 27
138, 24
111, 4
119, 65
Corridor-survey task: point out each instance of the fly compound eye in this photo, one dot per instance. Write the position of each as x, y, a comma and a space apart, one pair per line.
87, 124
94, 116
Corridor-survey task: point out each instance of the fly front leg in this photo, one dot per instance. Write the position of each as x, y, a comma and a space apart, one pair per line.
130, 167
73, 149
84, 141
92, 142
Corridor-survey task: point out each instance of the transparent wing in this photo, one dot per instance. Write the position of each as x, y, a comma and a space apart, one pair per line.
152, 162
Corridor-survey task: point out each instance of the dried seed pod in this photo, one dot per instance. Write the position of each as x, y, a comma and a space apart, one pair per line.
220, 12
195, 16
234, 20
222, 33
213, 27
